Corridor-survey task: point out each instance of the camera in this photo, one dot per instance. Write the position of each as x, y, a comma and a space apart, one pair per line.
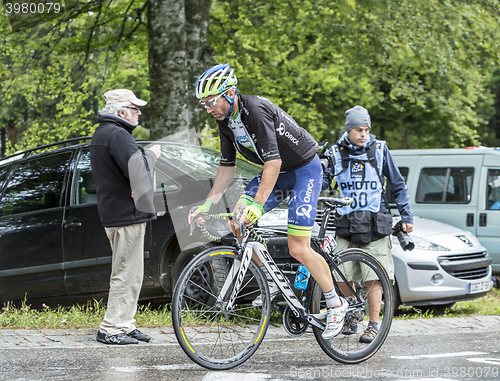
403, 237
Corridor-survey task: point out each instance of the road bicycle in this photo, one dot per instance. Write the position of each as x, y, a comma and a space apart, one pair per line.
217, 326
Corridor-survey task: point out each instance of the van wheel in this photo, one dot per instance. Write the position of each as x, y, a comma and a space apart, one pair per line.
183, 259
206, 274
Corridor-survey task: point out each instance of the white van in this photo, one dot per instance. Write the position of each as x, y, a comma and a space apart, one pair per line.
460, 187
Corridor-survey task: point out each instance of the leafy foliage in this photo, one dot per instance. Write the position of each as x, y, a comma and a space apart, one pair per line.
427, 70
421, 68
53, 74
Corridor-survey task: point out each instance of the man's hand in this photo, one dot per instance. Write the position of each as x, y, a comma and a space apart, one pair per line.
252, 213
408, 228
199, 209
156, 150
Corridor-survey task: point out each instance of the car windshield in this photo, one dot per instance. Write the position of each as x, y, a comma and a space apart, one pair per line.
199, 162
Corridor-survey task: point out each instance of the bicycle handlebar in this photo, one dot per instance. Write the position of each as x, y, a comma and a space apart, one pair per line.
332, 202
224, 216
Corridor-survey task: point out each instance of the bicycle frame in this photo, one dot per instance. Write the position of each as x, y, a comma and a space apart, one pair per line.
278, 277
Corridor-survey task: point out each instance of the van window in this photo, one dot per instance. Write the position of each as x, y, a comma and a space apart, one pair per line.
404, 172
84, 189
493, 190
35, 185
4, 171
445, 185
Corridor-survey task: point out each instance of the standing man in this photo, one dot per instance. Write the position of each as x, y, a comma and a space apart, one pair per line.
113, 153
264, 134
361, 162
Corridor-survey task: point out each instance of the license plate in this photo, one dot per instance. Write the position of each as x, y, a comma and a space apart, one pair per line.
479, 286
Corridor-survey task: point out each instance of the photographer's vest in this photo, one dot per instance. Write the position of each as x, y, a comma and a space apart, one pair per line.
360, 177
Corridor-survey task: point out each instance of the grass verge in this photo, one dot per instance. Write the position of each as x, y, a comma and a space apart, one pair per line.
486, 305
91, 315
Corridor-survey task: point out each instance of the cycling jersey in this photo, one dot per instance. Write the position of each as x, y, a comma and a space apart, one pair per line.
265, 133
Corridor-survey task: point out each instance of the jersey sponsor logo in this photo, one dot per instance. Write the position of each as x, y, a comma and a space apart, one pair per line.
281, 130
309, 190
242, 139
304, 210
357, 170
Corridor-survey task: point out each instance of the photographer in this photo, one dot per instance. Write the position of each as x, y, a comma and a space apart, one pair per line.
360, 164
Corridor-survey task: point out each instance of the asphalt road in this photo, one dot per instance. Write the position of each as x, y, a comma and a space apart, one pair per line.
428, 349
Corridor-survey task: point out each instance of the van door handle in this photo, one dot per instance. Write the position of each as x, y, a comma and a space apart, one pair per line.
72, 225
470, 219
482, 219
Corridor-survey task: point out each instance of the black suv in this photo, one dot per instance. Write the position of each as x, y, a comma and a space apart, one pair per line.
53, 248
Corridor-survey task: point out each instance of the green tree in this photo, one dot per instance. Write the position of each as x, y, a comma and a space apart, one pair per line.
421, 68
54, 74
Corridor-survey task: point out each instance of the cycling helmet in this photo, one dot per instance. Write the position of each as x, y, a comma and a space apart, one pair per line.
216, 80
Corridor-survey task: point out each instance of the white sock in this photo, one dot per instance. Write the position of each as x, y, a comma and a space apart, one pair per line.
332, 299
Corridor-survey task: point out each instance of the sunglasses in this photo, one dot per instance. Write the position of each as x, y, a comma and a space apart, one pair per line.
132, 108
211, 102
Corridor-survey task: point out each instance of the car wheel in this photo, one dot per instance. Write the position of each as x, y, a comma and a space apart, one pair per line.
396, 297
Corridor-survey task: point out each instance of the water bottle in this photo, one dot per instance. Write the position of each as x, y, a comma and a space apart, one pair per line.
302, 278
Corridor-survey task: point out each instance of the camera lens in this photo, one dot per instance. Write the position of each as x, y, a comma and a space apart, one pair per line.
405, 241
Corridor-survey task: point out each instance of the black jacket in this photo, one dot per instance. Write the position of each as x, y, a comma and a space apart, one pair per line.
111, 148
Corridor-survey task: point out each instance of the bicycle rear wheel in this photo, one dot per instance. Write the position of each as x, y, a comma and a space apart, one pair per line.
368, 278
210, 334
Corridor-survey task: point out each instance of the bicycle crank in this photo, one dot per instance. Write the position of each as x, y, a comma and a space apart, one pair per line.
294, 326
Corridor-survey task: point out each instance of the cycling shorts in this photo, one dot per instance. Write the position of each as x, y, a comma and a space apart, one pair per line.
303, 186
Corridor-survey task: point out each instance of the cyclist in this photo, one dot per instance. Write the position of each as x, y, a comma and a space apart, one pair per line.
367, 222
264, 134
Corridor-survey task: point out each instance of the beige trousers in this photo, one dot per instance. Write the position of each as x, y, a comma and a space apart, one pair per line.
127, 271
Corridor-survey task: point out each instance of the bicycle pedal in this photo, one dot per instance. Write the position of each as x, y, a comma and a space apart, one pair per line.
321, 315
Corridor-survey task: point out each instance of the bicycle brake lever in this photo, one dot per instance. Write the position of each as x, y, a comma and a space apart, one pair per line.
243, 228
191, 225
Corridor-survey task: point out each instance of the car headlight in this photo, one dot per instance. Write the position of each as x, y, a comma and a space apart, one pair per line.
423, 244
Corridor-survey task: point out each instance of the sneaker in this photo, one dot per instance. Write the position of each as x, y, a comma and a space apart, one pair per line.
120, 339
349, 328
368, 336
335, 320
351, 323
136, 334
274, 291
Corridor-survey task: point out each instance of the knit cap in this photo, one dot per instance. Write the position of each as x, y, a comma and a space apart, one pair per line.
357, 116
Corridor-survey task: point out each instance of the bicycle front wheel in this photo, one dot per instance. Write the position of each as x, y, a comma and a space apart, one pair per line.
369, 296
212, 335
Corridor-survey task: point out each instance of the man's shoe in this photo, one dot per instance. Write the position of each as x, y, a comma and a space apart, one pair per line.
119, 339
368, 336
349, 328
274, 291
335, 320
351, 323
136, 334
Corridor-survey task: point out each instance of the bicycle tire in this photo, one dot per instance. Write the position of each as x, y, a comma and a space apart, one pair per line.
211, 337
347, 348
